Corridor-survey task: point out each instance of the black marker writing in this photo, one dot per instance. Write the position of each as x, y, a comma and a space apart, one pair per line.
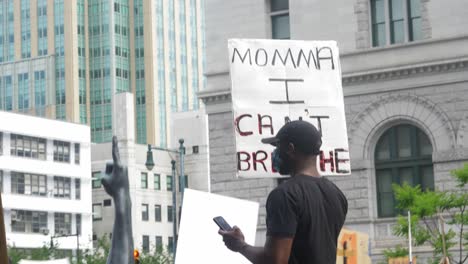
286, 81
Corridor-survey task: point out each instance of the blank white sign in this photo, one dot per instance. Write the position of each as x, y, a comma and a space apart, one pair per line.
199, 241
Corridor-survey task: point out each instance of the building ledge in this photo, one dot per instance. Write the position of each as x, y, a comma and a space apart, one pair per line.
215, 96
444, 66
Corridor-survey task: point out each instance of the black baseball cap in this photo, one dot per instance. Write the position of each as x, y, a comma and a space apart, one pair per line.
303, 135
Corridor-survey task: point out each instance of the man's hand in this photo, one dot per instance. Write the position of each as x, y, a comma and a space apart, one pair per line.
117, 181
233, 239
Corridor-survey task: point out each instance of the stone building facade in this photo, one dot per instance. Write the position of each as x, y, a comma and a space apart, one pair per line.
406, 94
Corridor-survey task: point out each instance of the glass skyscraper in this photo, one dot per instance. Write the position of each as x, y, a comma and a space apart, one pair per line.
66, 59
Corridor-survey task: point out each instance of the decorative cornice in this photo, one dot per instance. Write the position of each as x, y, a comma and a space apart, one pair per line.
395, 47
214, 96
368, 76
405, 71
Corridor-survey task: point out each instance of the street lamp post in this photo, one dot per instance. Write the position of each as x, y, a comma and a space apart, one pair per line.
77, 243
46, 232
150, 165
174, 211
181, 151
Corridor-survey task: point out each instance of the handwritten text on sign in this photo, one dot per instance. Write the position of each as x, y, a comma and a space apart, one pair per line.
276, 81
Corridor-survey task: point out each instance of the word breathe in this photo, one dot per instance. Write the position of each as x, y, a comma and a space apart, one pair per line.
261, 160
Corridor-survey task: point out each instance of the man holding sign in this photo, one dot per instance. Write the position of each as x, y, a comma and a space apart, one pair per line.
304, 214
273, 83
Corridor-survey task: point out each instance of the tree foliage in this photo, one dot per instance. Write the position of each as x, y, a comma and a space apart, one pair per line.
438, 218
397, 252
97, 255
157, 256
45, 252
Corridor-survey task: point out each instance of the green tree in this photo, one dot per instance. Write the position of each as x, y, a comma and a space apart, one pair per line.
437, 218
97, 255
397, 252
158, 255
45, 252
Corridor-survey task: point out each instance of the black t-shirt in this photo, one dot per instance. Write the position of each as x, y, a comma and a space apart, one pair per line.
312, 210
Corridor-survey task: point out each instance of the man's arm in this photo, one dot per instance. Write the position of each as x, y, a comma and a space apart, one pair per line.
281, 228
276, 250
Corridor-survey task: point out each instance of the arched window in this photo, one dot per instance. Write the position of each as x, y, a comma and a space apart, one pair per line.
403, 154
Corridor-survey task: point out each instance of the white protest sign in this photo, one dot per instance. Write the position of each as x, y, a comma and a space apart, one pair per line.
275, 81
199, 241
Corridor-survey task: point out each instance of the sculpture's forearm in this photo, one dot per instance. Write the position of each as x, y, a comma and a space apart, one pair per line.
122, 246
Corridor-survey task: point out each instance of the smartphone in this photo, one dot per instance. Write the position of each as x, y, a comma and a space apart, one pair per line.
109, 168
219, 220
